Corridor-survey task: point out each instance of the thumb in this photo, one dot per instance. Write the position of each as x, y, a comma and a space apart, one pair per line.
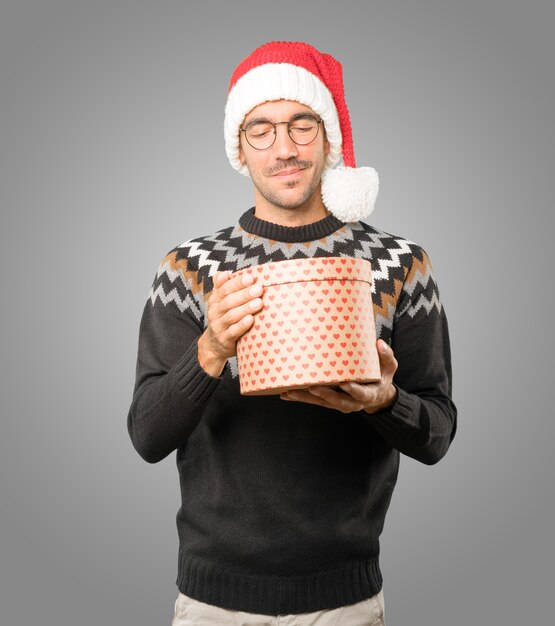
388, 362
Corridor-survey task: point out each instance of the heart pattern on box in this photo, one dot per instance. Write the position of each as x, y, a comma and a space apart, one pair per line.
316, 326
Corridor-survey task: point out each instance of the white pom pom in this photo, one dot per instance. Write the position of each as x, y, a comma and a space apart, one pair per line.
350, 192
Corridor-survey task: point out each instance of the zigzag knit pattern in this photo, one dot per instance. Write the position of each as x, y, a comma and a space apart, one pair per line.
403, 283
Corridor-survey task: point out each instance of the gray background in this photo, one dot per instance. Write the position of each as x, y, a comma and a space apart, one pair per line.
108, 162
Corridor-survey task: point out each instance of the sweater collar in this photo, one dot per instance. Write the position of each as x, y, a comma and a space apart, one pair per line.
289, 234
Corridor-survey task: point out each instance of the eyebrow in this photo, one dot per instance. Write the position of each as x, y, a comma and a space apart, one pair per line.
296, 116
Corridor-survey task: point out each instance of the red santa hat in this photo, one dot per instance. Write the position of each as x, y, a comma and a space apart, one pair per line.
292, 70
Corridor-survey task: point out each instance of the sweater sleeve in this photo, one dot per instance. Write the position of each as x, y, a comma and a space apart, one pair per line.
422, 421
171, 388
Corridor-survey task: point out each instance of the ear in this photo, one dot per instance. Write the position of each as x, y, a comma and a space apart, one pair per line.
326, 142
241, 153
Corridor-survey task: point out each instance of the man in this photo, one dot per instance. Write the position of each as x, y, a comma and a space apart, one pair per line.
284, 496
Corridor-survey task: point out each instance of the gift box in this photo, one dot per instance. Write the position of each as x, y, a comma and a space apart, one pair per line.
316, 326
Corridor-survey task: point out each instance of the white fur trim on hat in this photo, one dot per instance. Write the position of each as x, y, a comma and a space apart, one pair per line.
349, 192
279, 81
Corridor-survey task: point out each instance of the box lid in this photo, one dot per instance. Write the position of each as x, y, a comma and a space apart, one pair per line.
301, 270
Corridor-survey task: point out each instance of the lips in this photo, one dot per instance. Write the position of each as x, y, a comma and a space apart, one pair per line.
289, 172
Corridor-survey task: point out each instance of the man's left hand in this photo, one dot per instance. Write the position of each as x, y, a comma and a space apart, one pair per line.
370, 397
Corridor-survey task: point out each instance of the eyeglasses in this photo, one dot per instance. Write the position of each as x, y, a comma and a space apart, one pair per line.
261, 134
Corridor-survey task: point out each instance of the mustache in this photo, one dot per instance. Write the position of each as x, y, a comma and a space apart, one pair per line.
286, 165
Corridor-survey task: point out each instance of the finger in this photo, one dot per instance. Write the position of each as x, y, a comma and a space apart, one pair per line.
220, 278
325, 396
236, 283
235, 331
240, 297
365, 392
237, 313
334, 396
324, 391
298, 395
338, 399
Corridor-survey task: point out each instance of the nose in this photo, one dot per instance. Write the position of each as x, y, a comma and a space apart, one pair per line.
284, 147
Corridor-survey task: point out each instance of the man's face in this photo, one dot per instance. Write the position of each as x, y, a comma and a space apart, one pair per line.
286, 175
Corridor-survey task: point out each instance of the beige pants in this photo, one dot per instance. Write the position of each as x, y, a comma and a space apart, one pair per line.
189, 612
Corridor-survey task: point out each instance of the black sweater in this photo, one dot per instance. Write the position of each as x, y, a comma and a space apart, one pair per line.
283, 503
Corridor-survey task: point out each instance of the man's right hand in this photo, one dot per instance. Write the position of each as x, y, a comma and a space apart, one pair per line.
231, 308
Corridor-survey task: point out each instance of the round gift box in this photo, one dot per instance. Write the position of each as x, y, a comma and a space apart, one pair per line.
316, 326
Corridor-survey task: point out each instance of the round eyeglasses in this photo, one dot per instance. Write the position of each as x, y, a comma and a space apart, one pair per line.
261, 134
